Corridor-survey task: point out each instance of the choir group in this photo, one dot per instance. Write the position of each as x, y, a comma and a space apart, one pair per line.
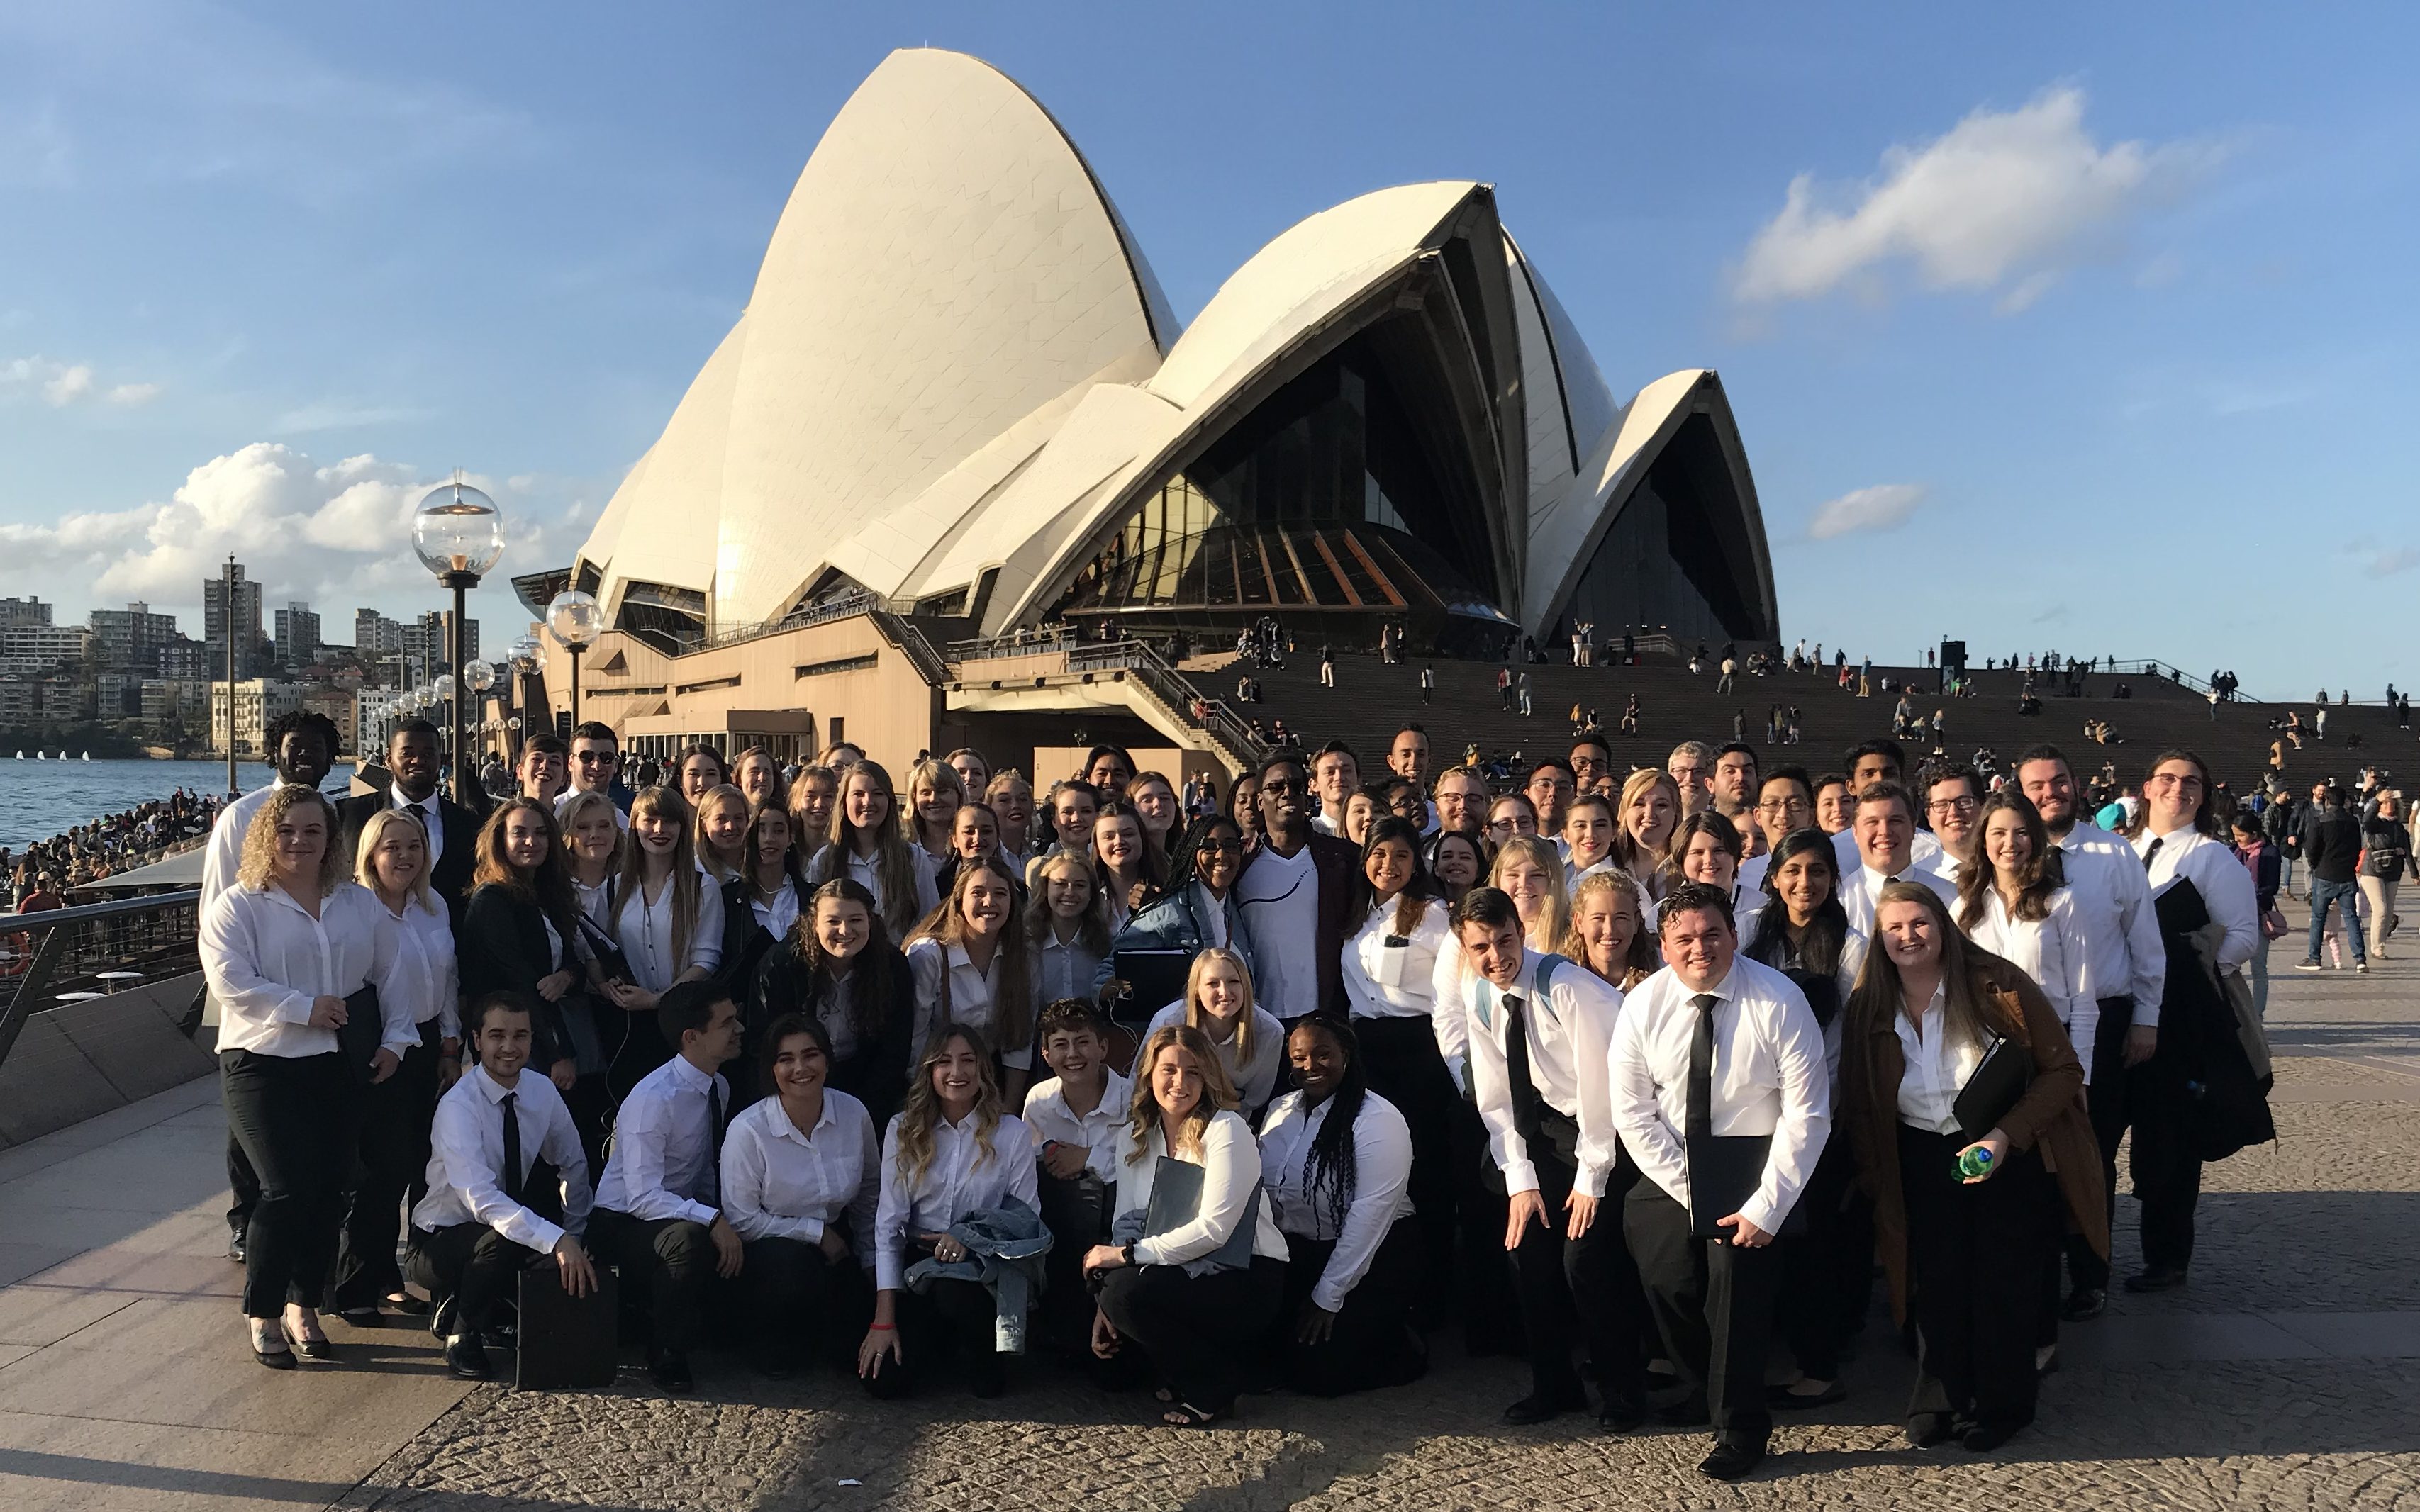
1641, 1076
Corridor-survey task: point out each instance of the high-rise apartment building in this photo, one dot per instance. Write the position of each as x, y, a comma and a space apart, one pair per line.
131, 638
298, 635
246, 621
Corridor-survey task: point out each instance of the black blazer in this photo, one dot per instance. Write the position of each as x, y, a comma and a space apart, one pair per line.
877, 1075
500, 946
1338, 863
450, 881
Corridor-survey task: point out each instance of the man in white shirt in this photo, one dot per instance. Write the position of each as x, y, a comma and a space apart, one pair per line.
544, 770
1409, 757
1549, 789
1294, 895
1952, 796
1883, 824
1460, 800
1540, 1029
1734, 785
2121, 932
1077, 1119
1691, 768
1714, 1047
303, 750
1591, 761
1336, 775
492, 1212
1784, 801
657, 1215
1871, 762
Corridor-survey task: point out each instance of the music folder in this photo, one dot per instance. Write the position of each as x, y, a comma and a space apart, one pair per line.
566, 1342
1725, 1170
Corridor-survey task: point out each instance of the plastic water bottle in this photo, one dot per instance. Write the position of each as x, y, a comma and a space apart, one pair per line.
1974, 1163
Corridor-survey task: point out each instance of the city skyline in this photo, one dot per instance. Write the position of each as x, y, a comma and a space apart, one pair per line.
1963, 279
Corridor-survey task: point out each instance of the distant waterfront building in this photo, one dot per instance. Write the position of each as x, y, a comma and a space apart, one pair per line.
247, 623
257, 703
183, 704
42, 649
428, 641
343, 708
131, 638
186, 661
957, 407
22, 611
298, 635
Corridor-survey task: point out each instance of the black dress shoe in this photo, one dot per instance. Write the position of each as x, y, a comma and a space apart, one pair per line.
1925, 1429
1730, 1462
441, 1322
1690, 1412
1622, 1414
1539, 1406
234, 1246
2157, 1278
467, 1359
1982, 1438
360, 1316
408, 1305
2084, 1304
671, 1369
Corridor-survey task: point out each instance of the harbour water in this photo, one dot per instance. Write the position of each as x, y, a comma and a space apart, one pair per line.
43, 798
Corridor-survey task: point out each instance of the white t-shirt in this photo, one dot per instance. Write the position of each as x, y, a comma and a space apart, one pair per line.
1280, 897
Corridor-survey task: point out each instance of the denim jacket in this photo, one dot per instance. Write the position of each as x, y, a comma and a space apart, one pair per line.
1175, 922
1005, 1251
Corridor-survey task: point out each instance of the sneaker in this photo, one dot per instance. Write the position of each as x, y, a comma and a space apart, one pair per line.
2306, 965
2361, 969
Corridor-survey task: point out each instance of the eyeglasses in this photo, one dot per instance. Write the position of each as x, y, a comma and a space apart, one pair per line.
1953, 806
1221, 847
1782, 806
594, 758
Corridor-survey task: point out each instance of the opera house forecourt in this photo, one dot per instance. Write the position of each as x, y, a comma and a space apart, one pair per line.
958, 410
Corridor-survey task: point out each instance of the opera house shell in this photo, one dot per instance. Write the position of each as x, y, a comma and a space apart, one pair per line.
958, 393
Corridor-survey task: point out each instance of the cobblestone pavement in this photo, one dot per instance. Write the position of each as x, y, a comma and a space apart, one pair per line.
2183, 1401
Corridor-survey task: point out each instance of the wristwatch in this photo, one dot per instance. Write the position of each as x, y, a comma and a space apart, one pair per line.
1126, 1249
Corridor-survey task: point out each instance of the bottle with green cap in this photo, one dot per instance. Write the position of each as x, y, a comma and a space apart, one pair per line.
1975, 1161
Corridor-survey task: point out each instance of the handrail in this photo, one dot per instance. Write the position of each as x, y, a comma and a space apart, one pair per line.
59, 927
846, 606
912, 643
1173, 689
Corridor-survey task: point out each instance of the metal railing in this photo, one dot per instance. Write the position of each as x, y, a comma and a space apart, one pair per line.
910, 642
1171, 688
844, 606
1016, 643
58, 956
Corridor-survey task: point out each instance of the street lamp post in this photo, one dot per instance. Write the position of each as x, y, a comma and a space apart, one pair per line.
458, 533
573, 620
521, 656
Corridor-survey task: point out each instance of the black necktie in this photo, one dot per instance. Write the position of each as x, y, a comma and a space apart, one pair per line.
2153, 850
1526, 1121
714, 1135
1702, 1068
514, 1175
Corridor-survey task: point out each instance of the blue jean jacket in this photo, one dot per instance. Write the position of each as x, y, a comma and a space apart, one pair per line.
1005, 1246
1175, 922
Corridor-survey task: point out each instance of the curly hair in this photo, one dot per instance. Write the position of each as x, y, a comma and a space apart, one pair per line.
913, 1149
260, 839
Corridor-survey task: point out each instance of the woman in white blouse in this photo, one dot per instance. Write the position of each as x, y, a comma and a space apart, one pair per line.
1336, 1159
1707, 847
801, 1177
953, 1151
758, 778
972, 966
667, 921
936, 793
2012, 907
1247, 1038
866, 846
1529, 871
720, 826
392, 861
1130, 869
1610, 934
1390, 982
1193, 1294
283, 948
591, 852
1066, 930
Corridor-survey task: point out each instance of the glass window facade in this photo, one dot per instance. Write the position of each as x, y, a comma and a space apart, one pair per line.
1676, 556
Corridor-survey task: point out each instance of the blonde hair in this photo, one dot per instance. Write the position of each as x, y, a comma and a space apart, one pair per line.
663, 803
1092, 927
895, 864
1011, 1006
942, 778
260, 839
1642, 863
1546, 932
366, 852
1642, 957
1195, 1012
578, 805
922, 1108
1218, 1090
721, 795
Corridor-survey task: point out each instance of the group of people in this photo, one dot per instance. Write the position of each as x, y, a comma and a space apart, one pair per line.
37, 875
1644, 1070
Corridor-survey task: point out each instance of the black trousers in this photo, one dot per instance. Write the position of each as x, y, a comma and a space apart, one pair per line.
1406, 1070
2106, 1099
802, 1306
954, 1321
294, 1119
391, 1154
1372, 1343
671, 1259
1077, 1209
1483, 1273
1197, 1330
1827, 1271
2166, 1171
471, 1266
1585, 1288
1712, 1302
591, 1105
1975, 1261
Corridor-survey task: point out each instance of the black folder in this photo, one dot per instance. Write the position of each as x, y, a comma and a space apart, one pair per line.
1998, 1083
365, 1029
1176, 1200
1725, 1170
1154, 978
566, 1342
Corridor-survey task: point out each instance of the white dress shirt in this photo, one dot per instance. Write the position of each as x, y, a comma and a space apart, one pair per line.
1382, 1177
1861, 887
266, 959
2054, 951
963, 1177
432, 818
866, 872
223, 857
780, 1184
424, 939
1570, 1024
1768, 1079
778, 915
1061, 968
1392, 975
1751, 876
562, 801
663, 1161
1051, 1121
2219, 873
2121, 929
466, 1159
643, 929
1230, 1159
1450, 991
973, 996
596, 902
1255, 1079
1212, 912
1937, 1066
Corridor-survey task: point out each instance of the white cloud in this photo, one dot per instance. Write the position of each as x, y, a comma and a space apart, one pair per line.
1885, 506
133, 395
62, 384
72, 384
2003, 200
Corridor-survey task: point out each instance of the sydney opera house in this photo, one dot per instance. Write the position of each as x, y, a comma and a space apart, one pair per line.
959, 410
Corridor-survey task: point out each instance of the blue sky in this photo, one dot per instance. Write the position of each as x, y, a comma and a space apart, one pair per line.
2085, 328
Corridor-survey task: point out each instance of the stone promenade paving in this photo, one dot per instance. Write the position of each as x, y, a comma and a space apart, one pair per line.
2286, 1374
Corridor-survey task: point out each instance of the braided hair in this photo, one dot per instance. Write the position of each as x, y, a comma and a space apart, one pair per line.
1330, 1173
